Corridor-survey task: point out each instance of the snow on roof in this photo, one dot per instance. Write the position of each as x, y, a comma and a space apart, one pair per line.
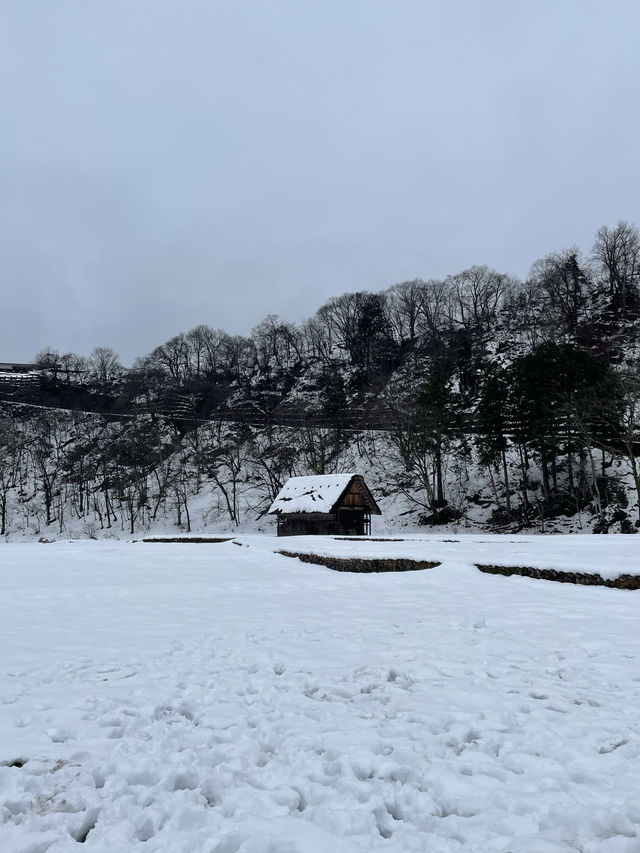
310, 494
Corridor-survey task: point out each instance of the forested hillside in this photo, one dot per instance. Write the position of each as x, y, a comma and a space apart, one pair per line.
479, 399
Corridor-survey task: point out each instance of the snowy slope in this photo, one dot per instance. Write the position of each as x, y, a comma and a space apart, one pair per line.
225, 699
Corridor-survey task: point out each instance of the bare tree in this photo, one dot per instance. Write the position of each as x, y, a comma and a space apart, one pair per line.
278, 344
433, 311
616, 256
224, 450
404, 303
477, 295
174, 357
104, 366
74, 367
561, 282
49, 362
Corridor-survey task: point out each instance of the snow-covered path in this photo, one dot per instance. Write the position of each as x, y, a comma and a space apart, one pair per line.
224, 699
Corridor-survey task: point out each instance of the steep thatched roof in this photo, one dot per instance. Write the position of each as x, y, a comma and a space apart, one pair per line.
319, 493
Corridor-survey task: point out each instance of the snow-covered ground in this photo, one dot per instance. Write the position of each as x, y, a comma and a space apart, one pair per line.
194, 698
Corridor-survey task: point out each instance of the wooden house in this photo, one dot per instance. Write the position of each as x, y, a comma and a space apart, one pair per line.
328, 504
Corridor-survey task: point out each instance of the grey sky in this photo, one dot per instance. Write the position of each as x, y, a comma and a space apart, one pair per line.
165, 163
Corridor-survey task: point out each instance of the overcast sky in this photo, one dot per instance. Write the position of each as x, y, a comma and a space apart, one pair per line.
165, 163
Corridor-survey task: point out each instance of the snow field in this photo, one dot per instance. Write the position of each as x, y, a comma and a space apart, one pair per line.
225, 699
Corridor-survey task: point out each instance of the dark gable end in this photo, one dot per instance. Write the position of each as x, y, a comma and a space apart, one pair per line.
357, 488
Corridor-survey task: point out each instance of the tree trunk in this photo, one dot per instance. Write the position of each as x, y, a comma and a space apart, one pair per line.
524, 464
636, 475
440, 501
507, 487
545, 473
186, 512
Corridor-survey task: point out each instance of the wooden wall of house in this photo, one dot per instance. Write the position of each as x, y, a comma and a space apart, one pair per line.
347, 522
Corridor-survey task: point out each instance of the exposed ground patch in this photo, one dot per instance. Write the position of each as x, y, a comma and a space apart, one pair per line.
348, 564
199, 540
621, 582
365, 539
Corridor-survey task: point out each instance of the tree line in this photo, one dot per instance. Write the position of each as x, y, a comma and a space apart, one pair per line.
478, 395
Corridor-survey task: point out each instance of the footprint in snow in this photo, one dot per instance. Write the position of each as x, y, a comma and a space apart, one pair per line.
59, 735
